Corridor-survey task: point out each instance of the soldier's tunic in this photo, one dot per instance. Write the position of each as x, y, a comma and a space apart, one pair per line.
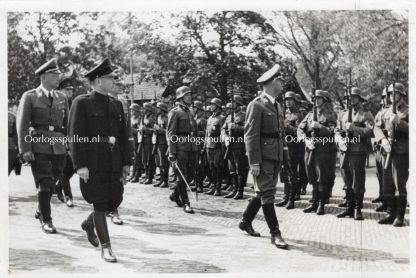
138, 164
237, 161
99, 118
354, 159
147, 131
400, 149
212, 135
43, 121
180, 131
296, 148
320, 174
162, 147
264, 141
201, 124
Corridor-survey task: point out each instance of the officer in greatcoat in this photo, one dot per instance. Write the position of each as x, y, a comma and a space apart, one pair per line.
100, 152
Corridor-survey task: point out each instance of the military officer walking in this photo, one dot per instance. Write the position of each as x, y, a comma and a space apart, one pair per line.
181, 132
102, 163
320, 172
212, 146
42, 116
237, 160
395, 193
354, 153
264, 135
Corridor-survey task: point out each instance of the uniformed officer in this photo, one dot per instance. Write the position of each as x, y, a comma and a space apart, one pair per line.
41, 119
201, 124
264, 140
293, 118
313, 133
102, 163
66, 87
212, 146
181, 134
395, 193
237, 160
146, 130
351, 138
161, 144
135, 124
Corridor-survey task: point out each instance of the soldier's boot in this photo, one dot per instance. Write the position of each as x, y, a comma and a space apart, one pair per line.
391, 212
219, 183
242, 180
58, 190
401, 210
45, 212
100, 223
136, 177
322, 200
174, 178
235, 187
292, 196
377, 200
314, 205
346, 202
285, 200
149, 173
249, 215
349, 211
165, 179
229, 183
358, 206
383, 206
88, 226
273, 224
213, 181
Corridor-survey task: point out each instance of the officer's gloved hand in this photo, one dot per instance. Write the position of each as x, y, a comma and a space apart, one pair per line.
83, 173
255, 170
172, 157
385, 144
28, 156
309, 144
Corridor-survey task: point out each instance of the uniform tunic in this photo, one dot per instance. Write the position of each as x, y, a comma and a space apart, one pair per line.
213, 142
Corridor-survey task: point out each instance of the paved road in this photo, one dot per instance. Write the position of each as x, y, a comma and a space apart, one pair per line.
159, 237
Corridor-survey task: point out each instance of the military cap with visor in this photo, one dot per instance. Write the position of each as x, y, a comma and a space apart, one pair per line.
48, 67
103, 69
269, 75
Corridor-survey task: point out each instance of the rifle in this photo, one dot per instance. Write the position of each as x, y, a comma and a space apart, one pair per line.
314, 132
349, 118
394, 109
230, 136
155, 133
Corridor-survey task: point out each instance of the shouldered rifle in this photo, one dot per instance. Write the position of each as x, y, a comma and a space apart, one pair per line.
394, 110
314, 132
155, 132
349, 134
230, 136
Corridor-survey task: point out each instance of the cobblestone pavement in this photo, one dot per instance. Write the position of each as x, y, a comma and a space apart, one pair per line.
159, 237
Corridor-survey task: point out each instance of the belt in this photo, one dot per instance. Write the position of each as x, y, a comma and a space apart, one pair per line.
49, 127
271, 134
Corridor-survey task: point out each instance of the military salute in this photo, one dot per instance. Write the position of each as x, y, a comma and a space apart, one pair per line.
43, 114
104, 163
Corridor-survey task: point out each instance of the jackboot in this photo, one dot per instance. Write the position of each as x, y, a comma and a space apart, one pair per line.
213, 181
249, 215
358, 206
391, 211
100, 223
219, 183
273, 224
149, 179
234, 187
242, 180
401, 202
88, 226
285, 196
383, 206
315, 198
349, 211
322, 201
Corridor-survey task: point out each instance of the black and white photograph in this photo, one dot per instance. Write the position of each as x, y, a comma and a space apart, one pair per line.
232, 139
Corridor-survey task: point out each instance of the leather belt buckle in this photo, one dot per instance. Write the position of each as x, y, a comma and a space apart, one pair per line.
111, 140
51, 128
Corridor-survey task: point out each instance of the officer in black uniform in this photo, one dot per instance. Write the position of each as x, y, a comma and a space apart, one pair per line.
43, 113
102, 163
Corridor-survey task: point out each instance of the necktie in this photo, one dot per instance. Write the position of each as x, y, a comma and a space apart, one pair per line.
277, 110
50, 97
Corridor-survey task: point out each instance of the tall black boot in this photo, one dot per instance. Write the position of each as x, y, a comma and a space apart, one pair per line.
292, 195
285, 200
235, 187
100, 223
358, 206
391, 211
322, 199
249, 215
219, 183
315, 198
349, 211
271, 219
383, 206
149, 179
45, 212
401, 202
88, 226
213, 181
241, 184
